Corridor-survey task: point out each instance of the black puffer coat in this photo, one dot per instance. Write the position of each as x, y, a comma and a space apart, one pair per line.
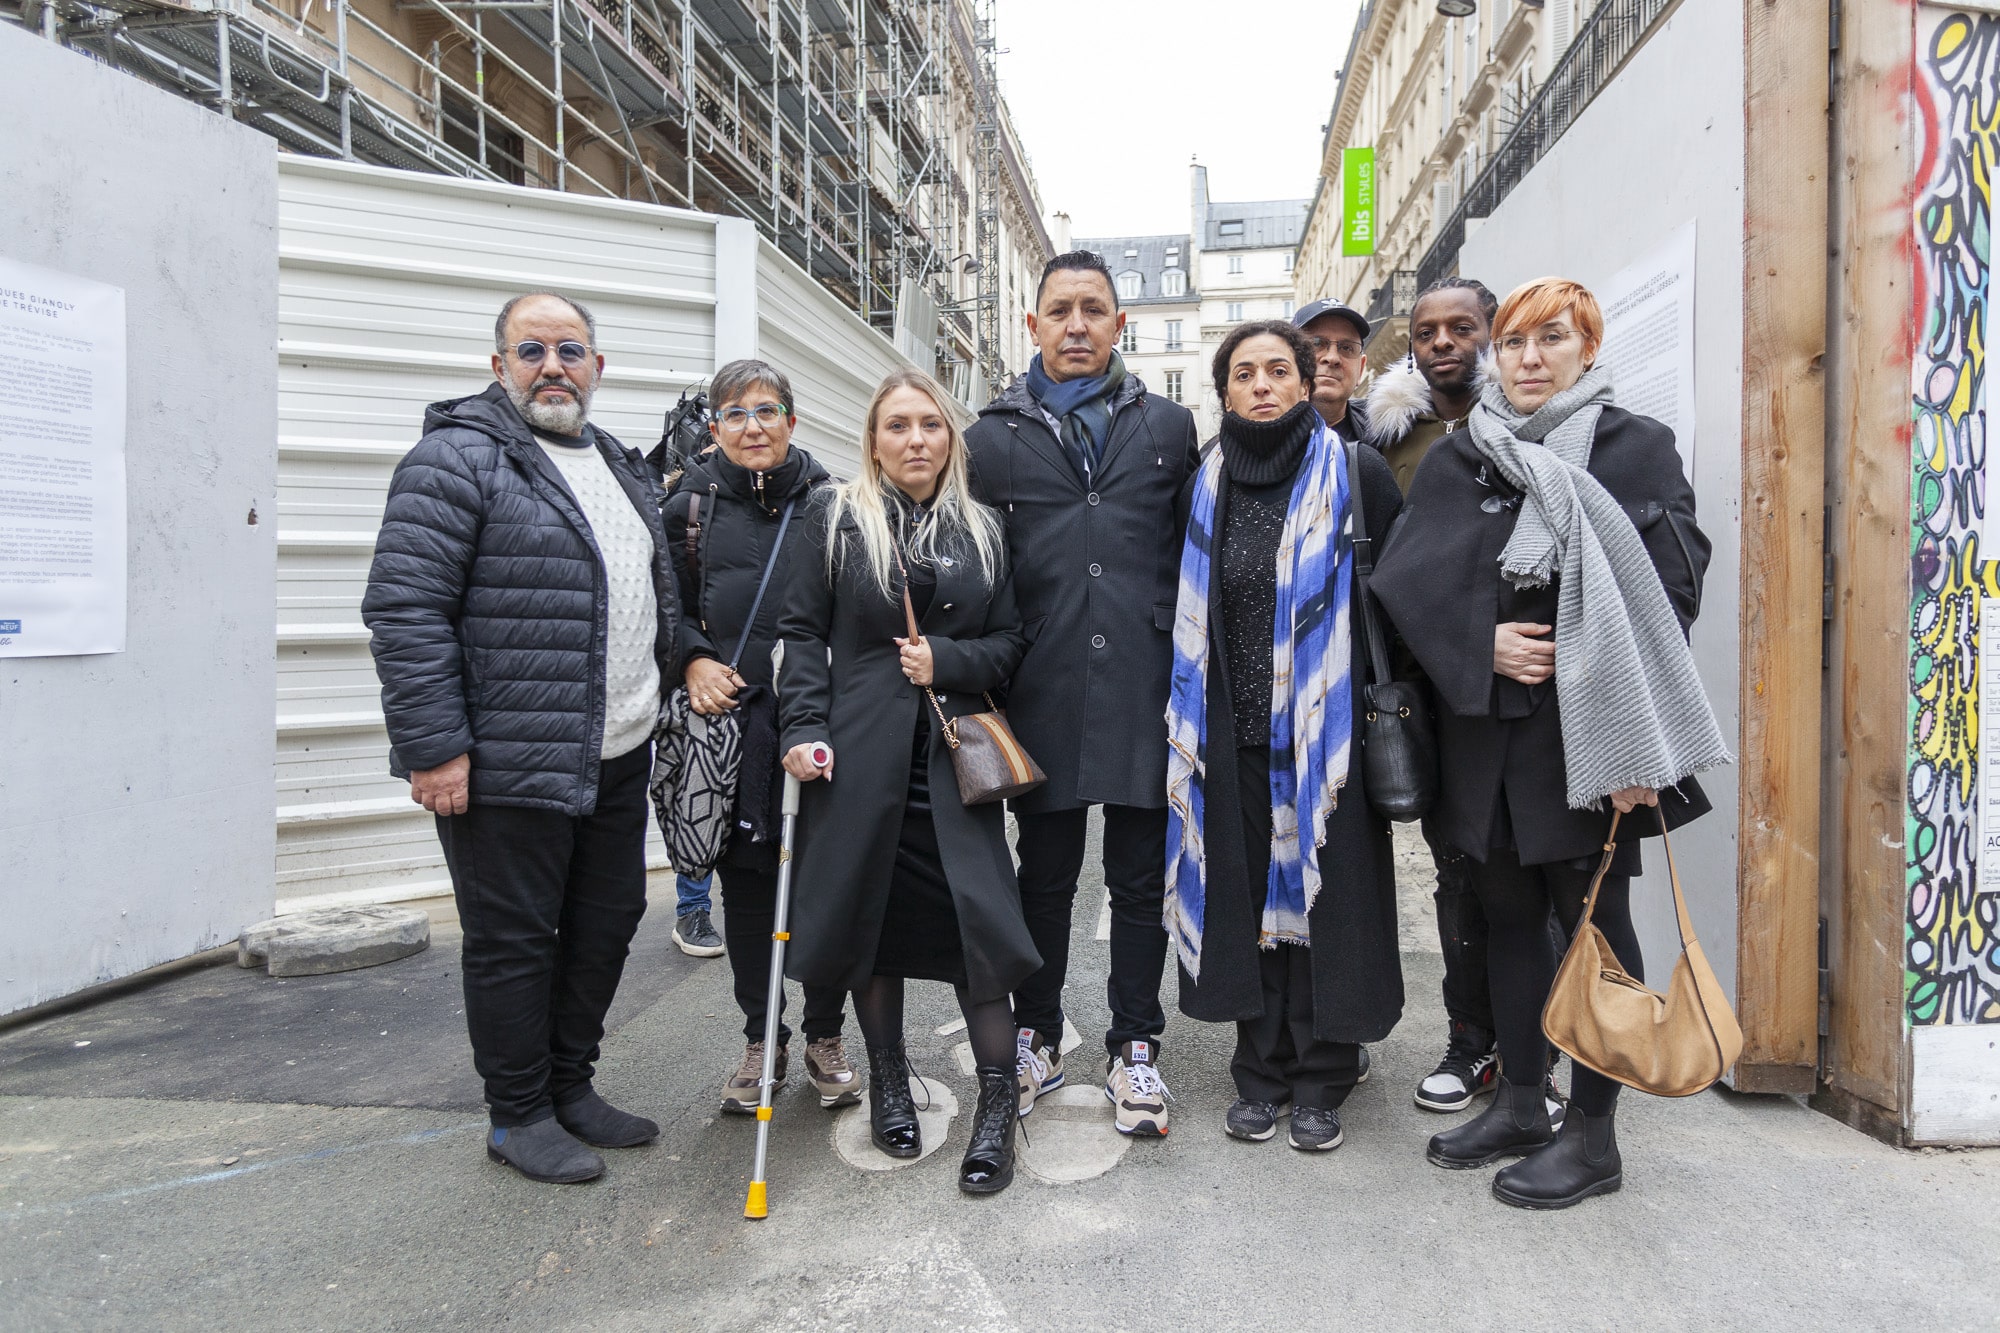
740, 510
488, 604
1096, 570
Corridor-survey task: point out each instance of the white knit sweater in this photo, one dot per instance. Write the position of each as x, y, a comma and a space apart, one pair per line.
631, 671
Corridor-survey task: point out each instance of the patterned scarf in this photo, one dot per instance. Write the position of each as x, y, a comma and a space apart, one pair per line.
1082, 406
1312, 721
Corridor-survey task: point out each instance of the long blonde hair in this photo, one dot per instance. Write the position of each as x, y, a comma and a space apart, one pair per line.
955, 523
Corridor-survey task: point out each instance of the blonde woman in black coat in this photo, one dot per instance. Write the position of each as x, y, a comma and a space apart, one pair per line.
896, 877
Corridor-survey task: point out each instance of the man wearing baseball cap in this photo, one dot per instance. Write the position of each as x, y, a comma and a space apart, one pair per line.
1338, 334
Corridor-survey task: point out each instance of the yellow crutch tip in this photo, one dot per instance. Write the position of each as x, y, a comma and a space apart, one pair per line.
755, 1207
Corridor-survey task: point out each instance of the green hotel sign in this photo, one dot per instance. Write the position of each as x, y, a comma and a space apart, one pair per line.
1357, 191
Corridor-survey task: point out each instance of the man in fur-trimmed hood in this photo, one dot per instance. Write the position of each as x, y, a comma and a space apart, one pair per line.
1410, 407
1430, 393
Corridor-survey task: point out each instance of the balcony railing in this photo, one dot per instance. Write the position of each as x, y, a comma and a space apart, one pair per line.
1609, 35
1393, 298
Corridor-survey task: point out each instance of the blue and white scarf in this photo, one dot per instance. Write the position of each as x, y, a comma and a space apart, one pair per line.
1312, 714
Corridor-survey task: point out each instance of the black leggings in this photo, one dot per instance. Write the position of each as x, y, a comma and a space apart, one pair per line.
989, 1026
1521, 958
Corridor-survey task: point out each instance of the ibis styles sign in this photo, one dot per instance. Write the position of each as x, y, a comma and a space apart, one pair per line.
1357, 190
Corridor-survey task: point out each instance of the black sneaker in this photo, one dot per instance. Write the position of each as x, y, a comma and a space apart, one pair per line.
695, 934
1470, 1064
1251, 1121
1315, 1129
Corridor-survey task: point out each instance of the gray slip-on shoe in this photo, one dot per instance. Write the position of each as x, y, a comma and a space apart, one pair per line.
602, 1125
543, 1151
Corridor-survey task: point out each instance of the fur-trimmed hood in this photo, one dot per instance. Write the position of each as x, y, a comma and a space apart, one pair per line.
1400, 395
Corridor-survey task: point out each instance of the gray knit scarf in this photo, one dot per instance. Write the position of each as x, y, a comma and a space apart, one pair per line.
1634, 713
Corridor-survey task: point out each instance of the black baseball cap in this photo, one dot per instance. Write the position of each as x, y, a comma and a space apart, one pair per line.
1325, 306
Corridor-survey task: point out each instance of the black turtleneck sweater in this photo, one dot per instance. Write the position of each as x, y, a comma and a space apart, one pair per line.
1260, 461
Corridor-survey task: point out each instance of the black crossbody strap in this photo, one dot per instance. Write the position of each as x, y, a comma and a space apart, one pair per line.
1364, 565
751, 622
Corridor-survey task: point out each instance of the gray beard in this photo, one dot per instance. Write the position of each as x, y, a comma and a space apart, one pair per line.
564, 418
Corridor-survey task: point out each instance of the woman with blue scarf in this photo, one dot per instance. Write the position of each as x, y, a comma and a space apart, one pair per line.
1280, 884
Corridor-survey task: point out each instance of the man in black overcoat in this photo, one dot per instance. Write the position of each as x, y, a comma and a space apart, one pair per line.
1084, 467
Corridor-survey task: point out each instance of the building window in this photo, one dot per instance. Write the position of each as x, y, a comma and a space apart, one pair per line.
1173, 259
1174, 339
1233, 227
1235, 315
1174, 386
1128, 341
459, 129
1236, 263
1128, 286
1288, 309
1290, 259
1173, 282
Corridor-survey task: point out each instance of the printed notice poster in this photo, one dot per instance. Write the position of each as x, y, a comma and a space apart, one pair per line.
1649, 338
62, 464
1988, 819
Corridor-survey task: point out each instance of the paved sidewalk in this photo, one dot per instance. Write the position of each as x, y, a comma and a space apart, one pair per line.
226, 1152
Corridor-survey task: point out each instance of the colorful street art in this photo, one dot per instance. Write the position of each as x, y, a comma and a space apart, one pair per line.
1952, 946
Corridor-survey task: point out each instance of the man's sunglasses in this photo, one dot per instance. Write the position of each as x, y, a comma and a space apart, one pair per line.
533, 352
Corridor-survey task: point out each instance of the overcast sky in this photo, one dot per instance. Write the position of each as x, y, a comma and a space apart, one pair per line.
1111, 97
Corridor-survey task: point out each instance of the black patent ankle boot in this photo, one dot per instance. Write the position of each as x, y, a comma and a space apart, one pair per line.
892, 1112
989, 1159
1516, 1122
1581, 1162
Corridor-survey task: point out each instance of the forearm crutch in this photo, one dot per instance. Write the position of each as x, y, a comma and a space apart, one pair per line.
757, 1206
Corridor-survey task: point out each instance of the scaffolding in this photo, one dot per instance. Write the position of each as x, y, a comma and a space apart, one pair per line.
845, 129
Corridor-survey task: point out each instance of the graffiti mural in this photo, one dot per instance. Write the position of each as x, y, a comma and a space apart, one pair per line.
1952, 945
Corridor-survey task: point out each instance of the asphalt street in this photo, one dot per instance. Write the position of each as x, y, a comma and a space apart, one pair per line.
224, 1150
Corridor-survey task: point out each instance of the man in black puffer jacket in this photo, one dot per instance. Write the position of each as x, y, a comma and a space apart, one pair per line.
524, 613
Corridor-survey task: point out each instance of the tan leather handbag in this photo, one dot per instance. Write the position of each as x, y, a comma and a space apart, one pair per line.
989, 763
1671, 1045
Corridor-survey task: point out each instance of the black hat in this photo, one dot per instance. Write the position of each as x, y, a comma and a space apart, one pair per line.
1313, 310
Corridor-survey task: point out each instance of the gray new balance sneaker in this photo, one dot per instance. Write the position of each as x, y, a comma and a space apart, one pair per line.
833, 1078
744, 1090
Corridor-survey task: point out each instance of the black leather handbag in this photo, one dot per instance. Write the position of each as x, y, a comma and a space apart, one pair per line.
1399, 753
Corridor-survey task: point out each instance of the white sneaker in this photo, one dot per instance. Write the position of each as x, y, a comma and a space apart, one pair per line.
1037, 1069
1137, 1093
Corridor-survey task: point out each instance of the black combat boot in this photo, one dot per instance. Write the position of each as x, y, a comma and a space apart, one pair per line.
1581, 1162
989, 1159
892, 1112
1514, 1123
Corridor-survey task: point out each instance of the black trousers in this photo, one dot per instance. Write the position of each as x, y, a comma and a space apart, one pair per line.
749, 915
549, 903
1278, 1059
1521, 957
1050, 848
1461, 925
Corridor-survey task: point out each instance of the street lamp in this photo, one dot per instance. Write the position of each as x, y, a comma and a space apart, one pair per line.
1457, 9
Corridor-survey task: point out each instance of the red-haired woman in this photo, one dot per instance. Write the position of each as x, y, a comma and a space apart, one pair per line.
1545, 578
